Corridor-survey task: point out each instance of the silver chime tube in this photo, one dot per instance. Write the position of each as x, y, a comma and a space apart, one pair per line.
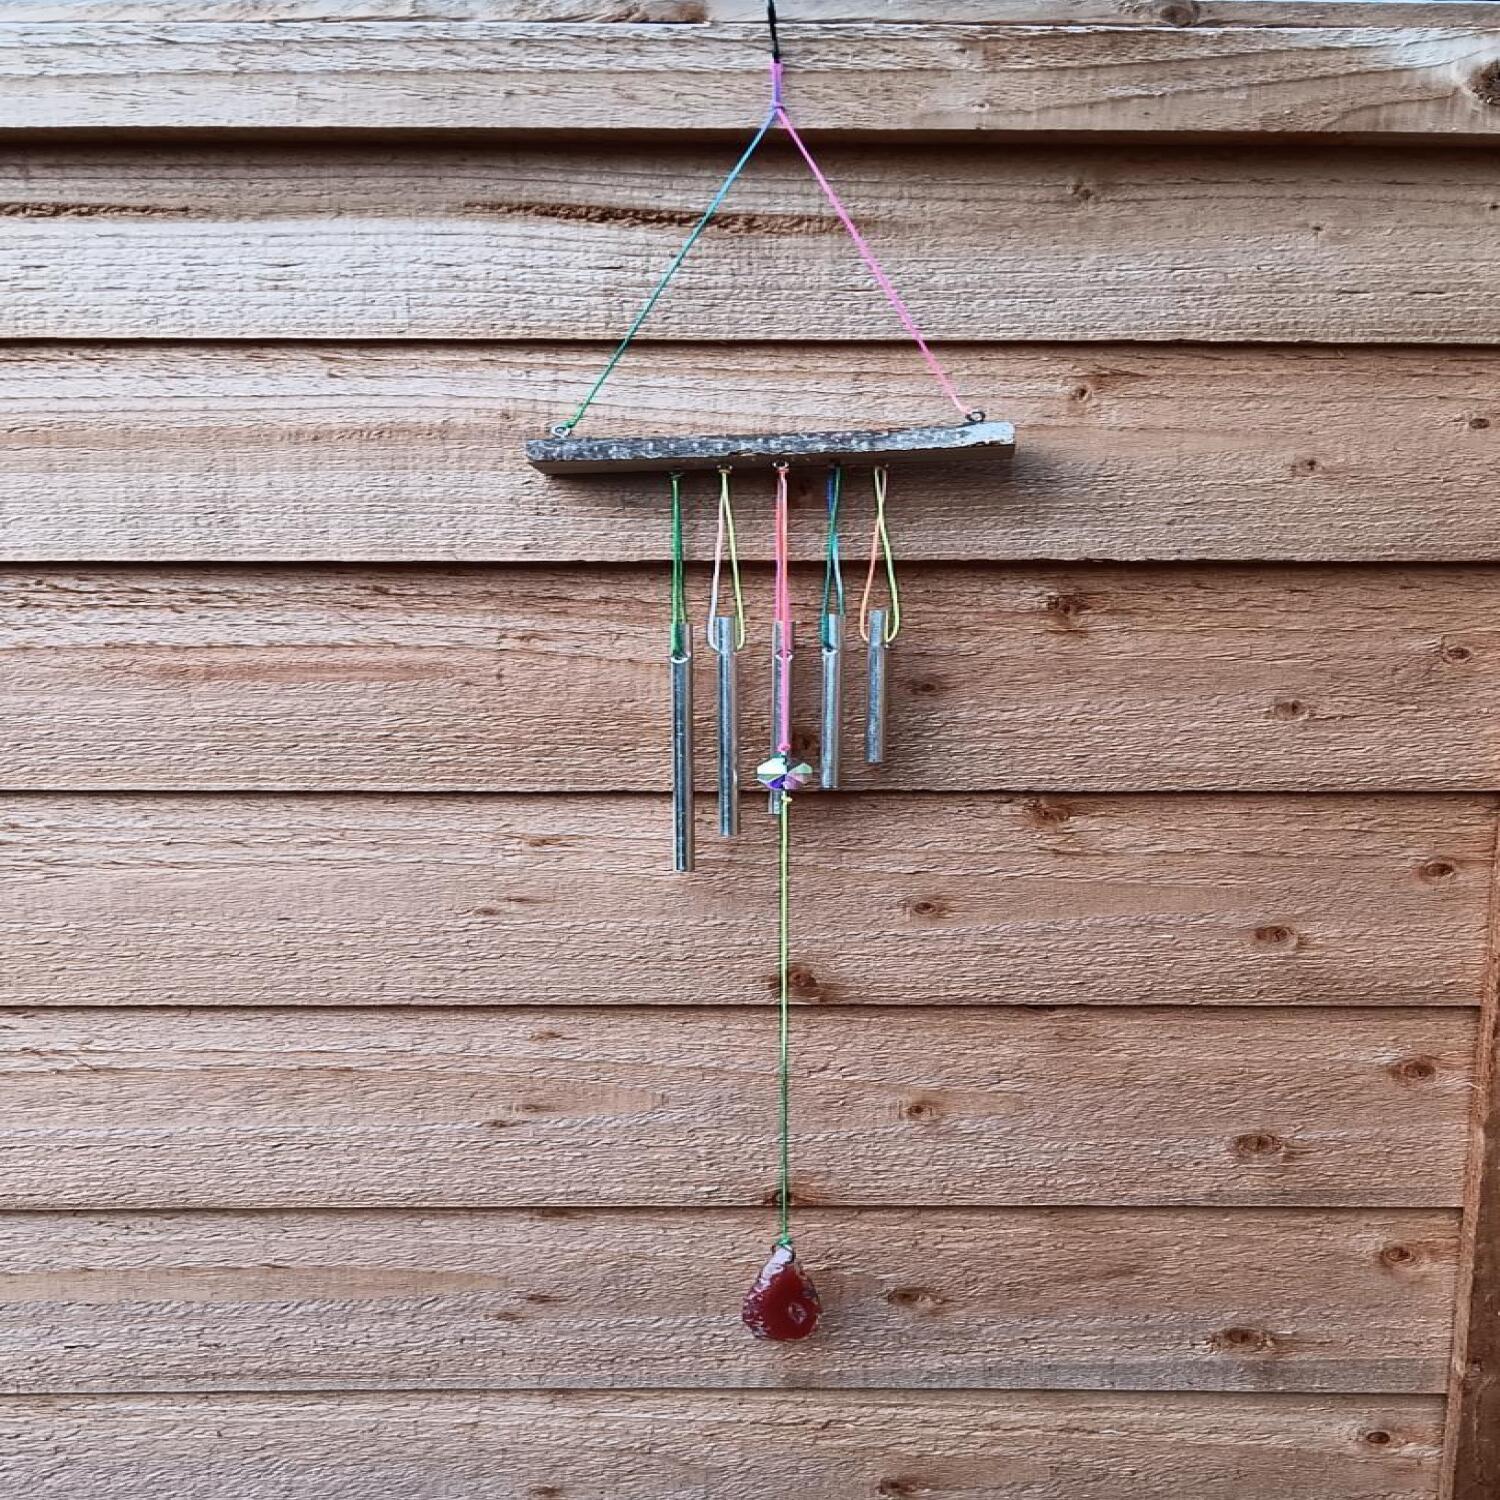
781, 662
722, 632
878, 689
682, 753
833, 701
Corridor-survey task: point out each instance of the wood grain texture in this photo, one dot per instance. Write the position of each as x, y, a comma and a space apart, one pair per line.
437, 241
1184, 13
256, 1109
1154, 1300
1084, 678
430, 75
663, 12
372, 900
1380, 14
148, 452
741, 1446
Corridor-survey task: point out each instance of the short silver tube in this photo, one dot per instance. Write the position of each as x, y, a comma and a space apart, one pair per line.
682, 756
722, 634
878, 690
830, 743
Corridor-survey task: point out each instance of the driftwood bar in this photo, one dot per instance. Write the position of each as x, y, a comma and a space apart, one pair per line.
967, 440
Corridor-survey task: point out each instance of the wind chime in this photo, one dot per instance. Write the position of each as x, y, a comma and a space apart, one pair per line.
782, 1303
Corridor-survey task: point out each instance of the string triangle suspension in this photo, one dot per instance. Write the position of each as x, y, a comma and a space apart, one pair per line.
777, 115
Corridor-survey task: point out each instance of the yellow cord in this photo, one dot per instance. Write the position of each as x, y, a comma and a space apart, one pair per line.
880, 545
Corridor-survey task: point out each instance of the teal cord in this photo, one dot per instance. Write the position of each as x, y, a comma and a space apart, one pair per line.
679, 576
785, 1067
564, 429
833, 570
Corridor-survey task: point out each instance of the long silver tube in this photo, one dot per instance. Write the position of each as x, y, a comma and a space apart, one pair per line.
722, 634
833, 701
682, 755
878, 690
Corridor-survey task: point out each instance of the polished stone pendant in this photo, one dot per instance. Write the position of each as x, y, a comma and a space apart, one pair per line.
783, 1304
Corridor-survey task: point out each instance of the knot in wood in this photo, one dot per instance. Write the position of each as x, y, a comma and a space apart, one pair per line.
927, 907
1278, 936
1413, 1070
1393, 1256
919, 1298
923, 1111
1259, 1145
1043, 812
1242, 1341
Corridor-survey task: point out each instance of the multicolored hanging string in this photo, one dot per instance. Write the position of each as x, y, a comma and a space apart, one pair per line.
776, 115
782, 1303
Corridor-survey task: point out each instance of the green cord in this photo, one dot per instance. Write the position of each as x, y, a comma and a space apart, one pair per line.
785, 1068
679, 579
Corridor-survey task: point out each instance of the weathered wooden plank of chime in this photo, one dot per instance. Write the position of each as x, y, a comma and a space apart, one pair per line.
994, 441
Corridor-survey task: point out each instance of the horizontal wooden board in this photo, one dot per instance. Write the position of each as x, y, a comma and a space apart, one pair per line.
1024, 1445
1164, 1300
208, 1109
483, 241
433, 75
1102, 678
151, 452
371, 900
1190, 13
666, 12
1383, 14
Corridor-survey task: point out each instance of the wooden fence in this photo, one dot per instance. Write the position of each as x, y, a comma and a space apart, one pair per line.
380, 1118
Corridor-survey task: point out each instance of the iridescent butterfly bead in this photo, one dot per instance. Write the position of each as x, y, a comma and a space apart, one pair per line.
783, 774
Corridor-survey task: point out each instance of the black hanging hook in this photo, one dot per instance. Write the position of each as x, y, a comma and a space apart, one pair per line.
771, 25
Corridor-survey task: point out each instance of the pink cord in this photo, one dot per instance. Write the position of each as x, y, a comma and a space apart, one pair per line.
874, 267
782, 612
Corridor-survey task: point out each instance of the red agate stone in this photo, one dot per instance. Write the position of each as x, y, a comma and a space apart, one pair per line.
783, 1303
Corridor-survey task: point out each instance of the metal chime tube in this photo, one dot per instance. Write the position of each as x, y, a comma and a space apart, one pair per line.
833, 700
878, 689
682, 754
781, 662
722, 635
